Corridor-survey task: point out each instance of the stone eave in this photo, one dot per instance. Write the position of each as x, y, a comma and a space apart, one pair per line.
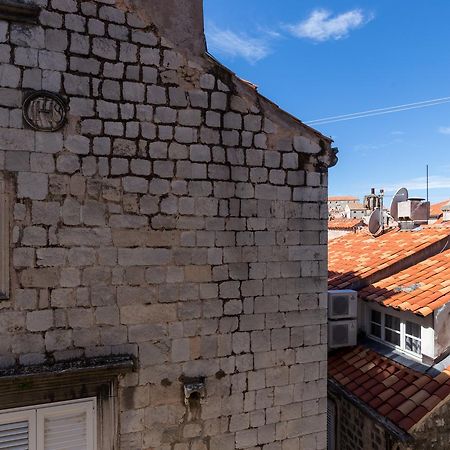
113, 365
261, 96
19, 12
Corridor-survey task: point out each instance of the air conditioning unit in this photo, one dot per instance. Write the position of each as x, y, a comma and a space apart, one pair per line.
415, 209
342, 304
342, 333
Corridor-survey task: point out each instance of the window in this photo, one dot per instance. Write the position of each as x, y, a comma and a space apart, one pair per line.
392, 329
375, 323
68, 426
413, 337
399, 333
4, 239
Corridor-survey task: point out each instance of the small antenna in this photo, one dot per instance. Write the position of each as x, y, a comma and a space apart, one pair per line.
427, 182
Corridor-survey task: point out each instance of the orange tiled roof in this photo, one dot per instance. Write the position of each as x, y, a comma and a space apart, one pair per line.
357, 256
394, 391
342, 198
436, 209
356, 206
420, 289
343, 224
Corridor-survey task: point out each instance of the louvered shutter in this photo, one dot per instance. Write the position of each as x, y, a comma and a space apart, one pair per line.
66, 427
331, 424
17, 431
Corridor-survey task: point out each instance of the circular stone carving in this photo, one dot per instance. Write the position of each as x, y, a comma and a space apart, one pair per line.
44, 111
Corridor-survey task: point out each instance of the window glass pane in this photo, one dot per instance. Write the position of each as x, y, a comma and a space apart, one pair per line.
392, 322
392, 336
413, 345
413, 329
375, 330
376, 316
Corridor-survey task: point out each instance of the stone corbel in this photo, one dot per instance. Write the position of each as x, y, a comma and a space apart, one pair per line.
15, 11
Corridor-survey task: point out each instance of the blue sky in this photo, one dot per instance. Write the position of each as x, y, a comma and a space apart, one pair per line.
318, 58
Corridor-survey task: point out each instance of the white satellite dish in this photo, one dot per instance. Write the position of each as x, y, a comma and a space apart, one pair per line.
400, 196
376, 222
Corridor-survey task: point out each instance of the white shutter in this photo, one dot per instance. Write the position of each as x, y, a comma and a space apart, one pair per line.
63, 426
17, 431
14, 436
66, 427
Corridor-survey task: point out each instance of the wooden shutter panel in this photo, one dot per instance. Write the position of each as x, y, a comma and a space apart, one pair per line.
67, 427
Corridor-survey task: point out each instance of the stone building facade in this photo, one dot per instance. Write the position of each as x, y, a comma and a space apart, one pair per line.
170, 239
359, 429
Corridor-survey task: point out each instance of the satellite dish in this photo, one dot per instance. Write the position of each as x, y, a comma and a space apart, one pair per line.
376, 222
400, 196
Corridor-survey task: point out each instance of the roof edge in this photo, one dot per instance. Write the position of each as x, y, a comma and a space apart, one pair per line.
398, 432
246, 84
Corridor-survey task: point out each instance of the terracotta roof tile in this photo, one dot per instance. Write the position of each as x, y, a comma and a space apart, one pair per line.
431, 402
344, 224
436, 208
406, 423
357, 256
342, 198
421, 289
404, 404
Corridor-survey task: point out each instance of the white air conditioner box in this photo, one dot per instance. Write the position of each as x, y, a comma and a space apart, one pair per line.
414, 209
342, 304
342, 333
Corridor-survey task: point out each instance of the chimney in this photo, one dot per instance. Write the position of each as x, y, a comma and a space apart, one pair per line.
446, 213
179, 21
415, 210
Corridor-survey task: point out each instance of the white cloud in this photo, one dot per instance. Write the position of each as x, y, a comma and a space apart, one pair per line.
444, 130
229, 43
435, 182
322, 26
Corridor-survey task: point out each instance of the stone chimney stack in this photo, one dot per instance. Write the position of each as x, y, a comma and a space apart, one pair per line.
180, 21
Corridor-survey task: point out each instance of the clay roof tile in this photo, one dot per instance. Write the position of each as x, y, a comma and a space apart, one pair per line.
396, 391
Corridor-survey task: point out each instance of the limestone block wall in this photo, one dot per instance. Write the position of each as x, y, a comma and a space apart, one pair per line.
179, 217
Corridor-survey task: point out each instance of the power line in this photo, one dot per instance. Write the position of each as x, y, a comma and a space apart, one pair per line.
380, 111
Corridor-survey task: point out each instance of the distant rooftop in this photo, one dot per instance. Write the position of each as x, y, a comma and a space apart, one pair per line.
356, 206
358, 259
436, 208
342, 198
344, 224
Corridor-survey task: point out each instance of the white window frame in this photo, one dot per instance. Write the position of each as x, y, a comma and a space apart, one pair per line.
36, 415
4, 238
403, 334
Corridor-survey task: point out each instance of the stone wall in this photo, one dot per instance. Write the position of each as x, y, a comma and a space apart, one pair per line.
433, 432
179, 217
356, 430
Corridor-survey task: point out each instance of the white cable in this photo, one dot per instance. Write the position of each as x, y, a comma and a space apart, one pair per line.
380, 111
